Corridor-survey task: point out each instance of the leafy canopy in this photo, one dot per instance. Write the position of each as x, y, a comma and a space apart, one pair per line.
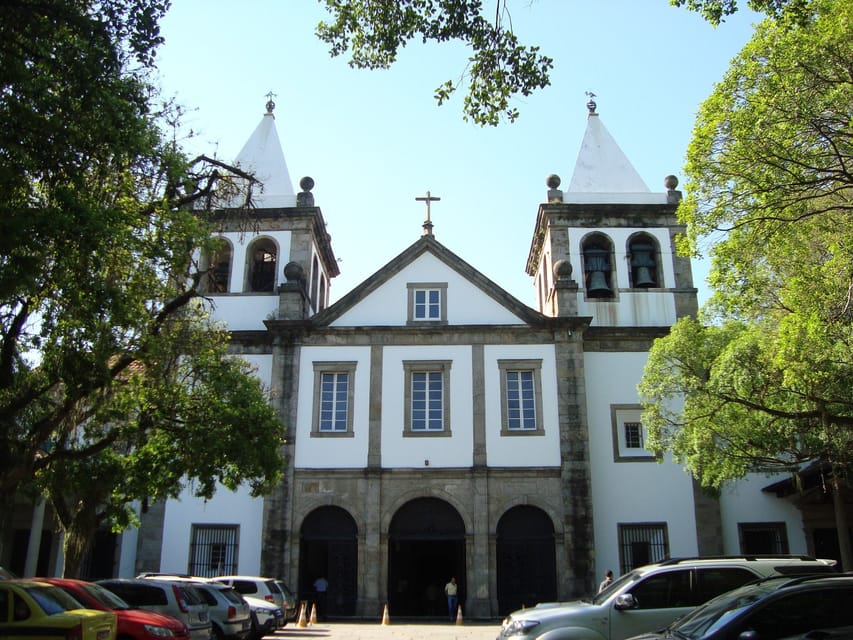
763, 379
110, 369
498, 69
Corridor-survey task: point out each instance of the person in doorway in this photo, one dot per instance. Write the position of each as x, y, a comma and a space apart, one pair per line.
451, 589
608, 580
321, 586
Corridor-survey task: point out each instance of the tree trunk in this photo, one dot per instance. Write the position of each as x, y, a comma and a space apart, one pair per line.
841, 524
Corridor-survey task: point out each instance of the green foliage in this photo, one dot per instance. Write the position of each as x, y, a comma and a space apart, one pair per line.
109, 368
763, 379
499, 68
715, 11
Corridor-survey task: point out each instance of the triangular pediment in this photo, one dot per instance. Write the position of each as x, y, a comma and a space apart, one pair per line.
471, 297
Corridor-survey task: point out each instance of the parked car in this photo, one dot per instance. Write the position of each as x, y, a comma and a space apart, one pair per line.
266, 617
37, 610
651, 597
291, 602
255, 586
773, 608
177, 599
133, 624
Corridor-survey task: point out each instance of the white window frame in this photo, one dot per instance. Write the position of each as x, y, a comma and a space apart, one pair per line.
620, 416
534, 368
439, 317
441, 368
337, 368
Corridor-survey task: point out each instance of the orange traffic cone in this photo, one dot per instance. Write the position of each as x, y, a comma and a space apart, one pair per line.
385, 620
459, 620
301, 622
313, 618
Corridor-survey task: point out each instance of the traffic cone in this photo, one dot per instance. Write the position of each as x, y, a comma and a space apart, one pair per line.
302, 622
385, 620
459, 620
313, 618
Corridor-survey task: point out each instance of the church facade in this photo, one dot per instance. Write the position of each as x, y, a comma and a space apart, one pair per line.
438, 427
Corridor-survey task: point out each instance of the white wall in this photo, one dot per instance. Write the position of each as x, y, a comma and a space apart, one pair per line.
332, 452
388, 305
521, 451
630, 492
744, 502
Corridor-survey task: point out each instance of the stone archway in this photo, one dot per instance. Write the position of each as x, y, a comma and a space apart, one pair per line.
526, 559
328, 547
426, 547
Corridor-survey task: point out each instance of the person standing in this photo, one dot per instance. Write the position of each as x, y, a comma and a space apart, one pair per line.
321, 585
452, 590
608, 580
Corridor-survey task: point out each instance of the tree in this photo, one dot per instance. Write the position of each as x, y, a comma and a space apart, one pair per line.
765, 374
715, 11
105, 348
498, 69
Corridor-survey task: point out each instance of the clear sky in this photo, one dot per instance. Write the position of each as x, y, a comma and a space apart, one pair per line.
375, 140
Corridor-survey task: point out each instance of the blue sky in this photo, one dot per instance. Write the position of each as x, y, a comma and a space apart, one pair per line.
374, 140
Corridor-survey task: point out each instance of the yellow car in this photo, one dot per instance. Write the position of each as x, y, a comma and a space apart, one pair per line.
32, 610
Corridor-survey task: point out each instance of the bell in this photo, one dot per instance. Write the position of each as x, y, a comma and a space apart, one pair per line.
598, 285
644, 278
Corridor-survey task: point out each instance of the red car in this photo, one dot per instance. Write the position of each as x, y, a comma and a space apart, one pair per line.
133, 624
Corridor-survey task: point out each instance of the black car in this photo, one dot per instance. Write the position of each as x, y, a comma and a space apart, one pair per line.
771, 609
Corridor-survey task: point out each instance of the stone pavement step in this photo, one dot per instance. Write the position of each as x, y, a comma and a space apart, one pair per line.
378, 631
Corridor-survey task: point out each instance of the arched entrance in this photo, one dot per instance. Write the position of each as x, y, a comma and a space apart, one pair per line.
329, 549
526, 564
426, 547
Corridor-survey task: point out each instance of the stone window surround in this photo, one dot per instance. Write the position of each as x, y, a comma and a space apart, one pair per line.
534, 365
441, 287
779, 529
619, 415
421, 366
333, 367
655, 534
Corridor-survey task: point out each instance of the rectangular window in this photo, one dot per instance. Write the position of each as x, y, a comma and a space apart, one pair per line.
427, 402
629, 436
633, 435
763, 538
213, 550
640, 544
521, 397
427, 303
333, 399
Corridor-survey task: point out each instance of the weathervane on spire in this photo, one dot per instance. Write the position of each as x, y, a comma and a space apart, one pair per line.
270, 103
591, 104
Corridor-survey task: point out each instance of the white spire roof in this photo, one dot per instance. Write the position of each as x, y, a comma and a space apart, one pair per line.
262, 155
603, 173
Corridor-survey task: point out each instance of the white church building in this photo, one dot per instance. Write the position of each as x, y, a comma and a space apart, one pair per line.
438, 426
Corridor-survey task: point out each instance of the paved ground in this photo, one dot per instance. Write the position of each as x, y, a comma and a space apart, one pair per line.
392, 631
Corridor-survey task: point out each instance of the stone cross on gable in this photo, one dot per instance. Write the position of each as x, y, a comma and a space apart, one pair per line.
428, 198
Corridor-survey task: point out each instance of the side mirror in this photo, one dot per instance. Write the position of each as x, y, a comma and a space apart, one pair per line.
625, 601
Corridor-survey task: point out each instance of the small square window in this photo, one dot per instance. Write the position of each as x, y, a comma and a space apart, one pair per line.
763, 538
427, 400
427, 303
521, 397
333, 399
629, 436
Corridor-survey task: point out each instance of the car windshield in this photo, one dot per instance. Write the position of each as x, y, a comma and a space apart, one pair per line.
718, 611
105, 597
53, 600
615, 586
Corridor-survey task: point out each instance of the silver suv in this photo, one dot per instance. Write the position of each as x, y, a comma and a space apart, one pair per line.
177, 599
651, 597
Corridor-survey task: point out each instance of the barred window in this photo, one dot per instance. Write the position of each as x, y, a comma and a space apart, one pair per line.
213, 550
633, 435
629, 436
640, 544
763, 537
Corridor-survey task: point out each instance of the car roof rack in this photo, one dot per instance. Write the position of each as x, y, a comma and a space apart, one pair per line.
754, 556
